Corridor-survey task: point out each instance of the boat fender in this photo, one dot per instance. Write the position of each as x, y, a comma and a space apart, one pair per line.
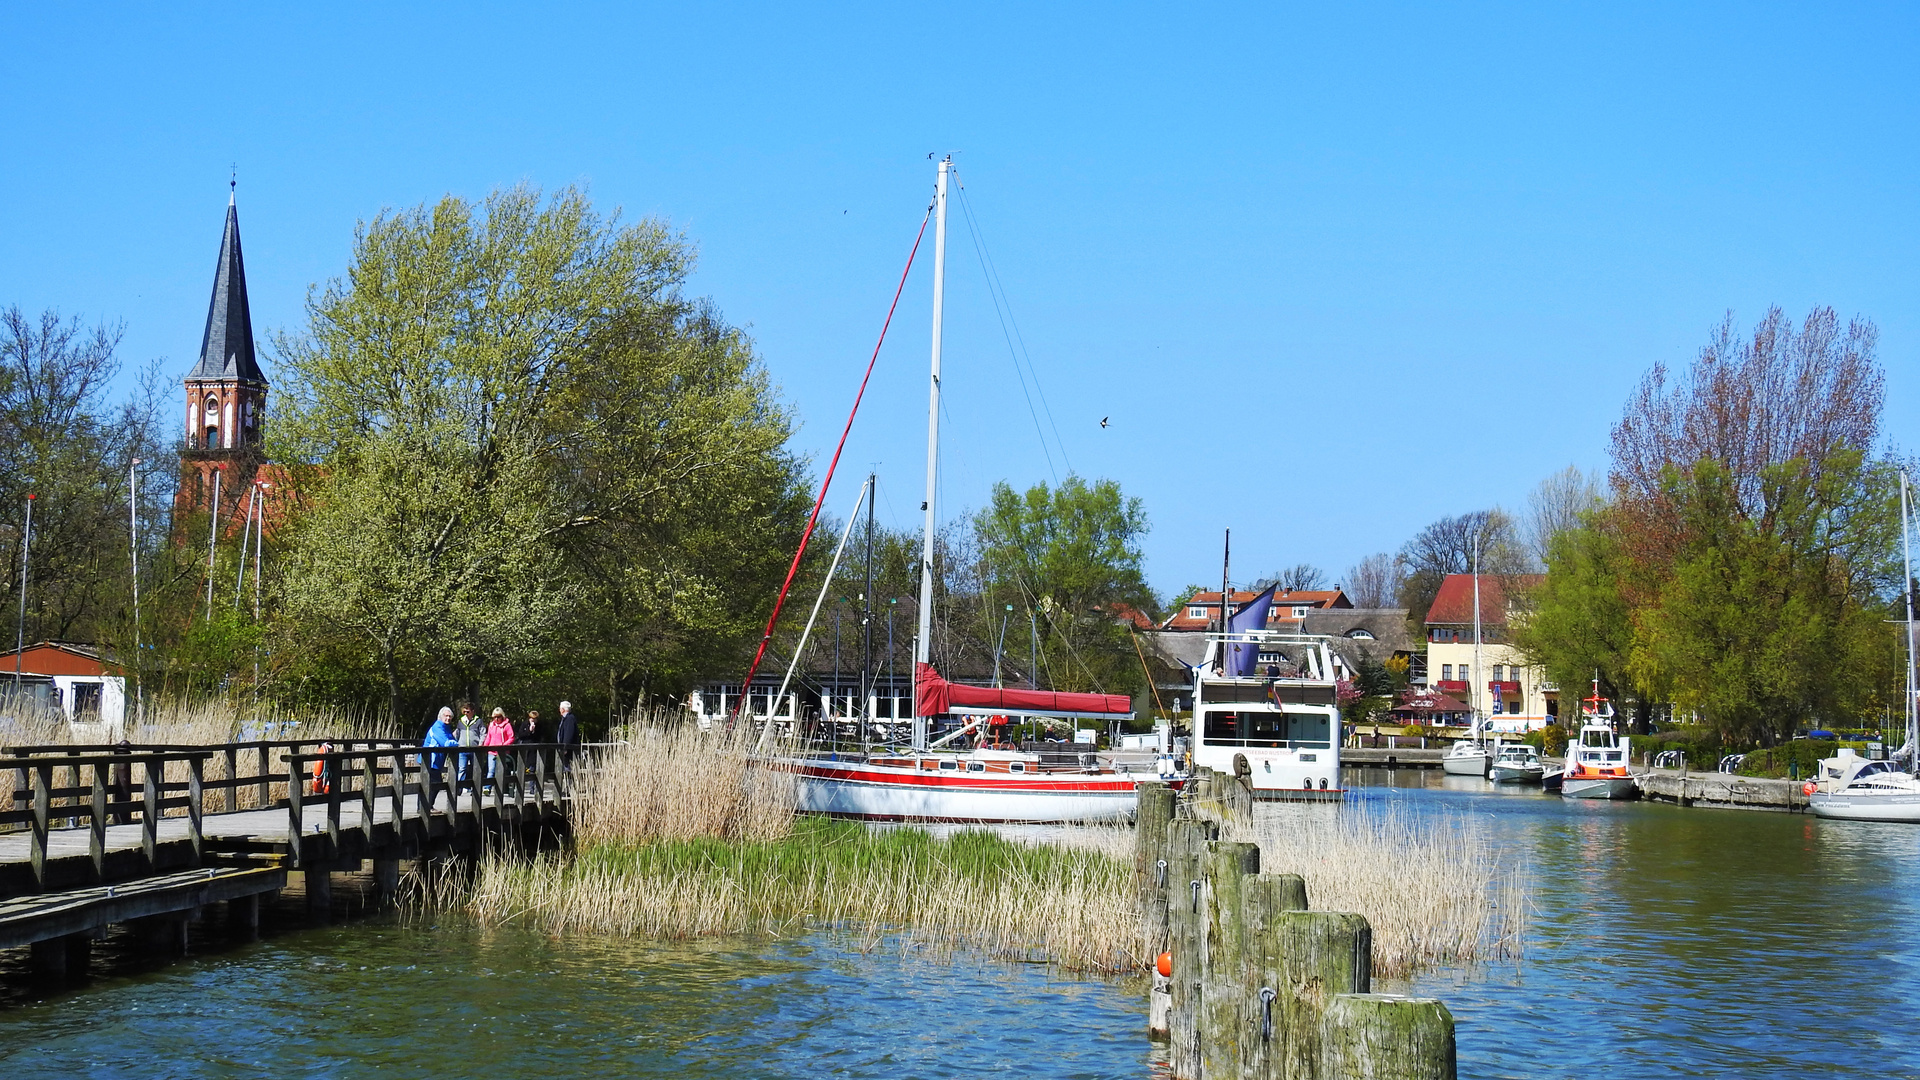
1164, 965
1808, 788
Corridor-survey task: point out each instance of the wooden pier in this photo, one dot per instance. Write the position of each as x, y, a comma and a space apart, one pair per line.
150, 835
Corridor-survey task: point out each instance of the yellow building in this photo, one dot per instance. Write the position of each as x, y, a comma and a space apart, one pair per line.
1501, 687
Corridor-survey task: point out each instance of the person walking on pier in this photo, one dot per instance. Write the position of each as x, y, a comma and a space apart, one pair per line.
499, 733
441, 733
568, 733
471, 731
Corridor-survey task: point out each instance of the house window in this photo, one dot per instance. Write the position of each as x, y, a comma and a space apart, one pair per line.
86, 699
1446, 672
1299, 612
1196, 612
1498, 672
1464, 677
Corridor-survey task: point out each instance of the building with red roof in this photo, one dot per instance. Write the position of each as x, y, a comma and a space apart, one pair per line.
1202, 611
1501, 684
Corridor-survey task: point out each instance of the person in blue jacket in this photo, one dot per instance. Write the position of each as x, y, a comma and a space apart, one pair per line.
442, 733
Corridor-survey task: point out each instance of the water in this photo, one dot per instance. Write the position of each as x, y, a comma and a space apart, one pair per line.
452, 1001
1674, 942
1665, 943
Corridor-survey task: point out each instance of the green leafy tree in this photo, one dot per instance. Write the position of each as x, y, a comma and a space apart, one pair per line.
1071, 556
530, 459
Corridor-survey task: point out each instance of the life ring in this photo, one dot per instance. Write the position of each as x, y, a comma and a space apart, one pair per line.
1809, 788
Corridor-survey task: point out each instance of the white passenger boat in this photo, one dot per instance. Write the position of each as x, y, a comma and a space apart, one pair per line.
1852, 788
1598, 761
1517, 763
1274, 709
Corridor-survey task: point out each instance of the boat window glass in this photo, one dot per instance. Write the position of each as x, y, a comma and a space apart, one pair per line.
1223, 727
950, 765
1018, 766
1872, 768
1265, 728
976, 766
1308, 730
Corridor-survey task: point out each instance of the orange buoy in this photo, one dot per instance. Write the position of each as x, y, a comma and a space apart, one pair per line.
1164, 965
1808, 788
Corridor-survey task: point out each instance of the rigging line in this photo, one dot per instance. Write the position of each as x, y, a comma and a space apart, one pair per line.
966, 208
827, 481
973, 231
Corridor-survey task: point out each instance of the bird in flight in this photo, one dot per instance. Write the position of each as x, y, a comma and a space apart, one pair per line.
1103, 421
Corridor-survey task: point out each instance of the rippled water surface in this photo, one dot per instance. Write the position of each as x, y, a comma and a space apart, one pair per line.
454, 1002
1686, 942
1664, 942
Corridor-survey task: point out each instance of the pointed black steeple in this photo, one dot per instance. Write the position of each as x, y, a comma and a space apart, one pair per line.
226, 349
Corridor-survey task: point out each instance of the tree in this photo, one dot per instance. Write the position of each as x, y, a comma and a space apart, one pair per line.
1555, 506
1070, 555
1296, 578
1374, 582
1449, 546
530, 458
1744, 566
65, 443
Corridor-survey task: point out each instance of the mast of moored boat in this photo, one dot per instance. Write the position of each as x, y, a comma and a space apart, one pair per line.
1906, 589
923, 641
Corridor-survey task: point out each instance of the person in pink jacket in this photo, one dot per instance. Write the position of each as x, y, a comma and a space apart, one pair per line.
499, 733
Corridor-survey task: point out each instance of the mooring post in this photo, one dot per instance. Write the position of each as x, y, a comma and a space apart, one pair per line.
1388, 1037
1186, 842
386, 878
1150, 862
1225, 869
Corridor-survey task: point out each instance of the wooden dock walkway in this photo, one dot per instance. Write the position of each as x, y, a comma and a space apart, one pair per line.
143, 835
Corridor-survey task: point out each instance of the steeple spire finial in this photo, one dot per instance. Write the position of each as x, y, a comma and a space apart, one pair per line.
233, 181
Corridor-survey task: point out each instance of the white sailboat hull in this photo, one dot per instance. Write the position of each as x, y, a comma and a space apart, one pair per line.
1903, 806
1465, 764
885, 793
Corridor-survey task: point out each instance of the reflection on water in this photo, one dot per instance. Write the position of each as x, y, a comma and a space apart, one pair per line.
1671, 942
456, 1002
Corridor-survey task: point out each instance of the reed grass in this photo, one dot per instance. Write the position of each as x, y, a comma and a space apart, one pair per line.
666, 782
972, 890
1434, 887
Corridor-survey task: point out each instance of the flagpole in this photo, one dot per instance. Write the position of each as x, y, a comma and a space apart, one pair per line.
133, 541
20, 626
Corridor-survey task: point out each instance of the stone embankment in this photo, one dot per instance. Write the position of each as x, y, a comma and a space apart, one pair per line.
1722, 791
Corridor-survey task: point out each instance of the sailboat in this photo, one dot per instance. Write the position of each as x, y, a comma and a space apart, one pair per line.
929, 781
1854, 788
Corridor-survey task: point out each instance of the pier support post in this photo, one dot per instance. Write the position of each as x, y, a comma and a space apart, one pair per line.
1186, 842
61, 959
243, 917
319, 884
386, 878
1387, 1037
164, 934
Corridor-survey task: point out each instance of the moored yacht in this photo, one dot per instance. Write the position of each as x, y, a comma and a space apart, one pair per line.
1466, 757
1517, 763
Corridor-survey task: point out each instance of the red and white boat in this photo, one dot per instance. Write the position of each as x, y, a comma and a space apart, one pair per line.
985, 784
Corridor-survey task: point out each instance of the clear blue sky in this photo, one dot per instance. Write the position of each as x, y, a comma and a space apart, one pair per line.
1332, 272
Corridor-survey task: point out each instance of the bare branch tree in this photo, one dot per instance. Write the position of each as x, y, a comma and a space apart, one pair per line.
1556, 505
1374, 582
1295, 578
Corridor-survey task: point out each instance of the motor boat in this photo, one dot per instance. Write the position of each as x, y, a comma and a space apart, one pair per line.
1516, 763
1597, 761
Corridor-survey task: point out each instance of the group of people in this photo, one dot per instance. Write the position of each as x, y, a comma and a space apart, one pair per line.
498, 729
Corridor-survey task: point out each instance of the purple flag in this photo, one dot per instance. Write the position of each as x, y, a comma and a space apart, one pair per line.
1242, 655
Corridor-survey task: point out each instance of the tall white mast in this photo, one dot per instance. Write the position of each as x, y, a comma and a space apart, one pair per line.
1479, 669
923, 641
1906, 590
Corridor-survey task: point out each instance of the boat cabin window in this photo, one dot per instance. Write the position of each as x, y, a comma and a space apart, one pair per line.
1614, 756
1596, 738
1018, 766
976, 766
1871, 768
1269, 729
950, 765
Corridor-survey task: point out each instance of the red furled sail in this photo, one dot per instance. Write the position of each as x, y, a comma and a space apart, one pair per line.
934, 696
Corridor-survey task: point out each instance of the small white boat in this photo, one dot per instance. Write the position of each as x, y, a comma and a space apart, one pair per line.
1517, 763
1597, 762
1467, 757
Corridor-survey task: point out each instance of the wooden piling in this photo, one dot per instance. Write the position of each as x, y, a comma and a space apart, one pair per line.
1186, 842
243, 917
319, 882
1225, 869
1387, 1037
1150, 864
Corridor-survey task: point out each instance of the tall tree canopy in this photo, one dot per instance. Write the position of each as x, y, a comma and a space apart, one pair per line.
1071, 556
1743, 566
528, 456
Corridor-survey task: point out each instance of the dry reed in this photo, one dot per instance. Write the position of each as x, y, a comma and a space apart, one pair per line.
1432, 886
660, 782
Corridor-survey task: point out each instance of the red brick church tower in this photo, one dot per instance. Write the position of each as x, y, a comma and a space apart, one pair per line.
226, 392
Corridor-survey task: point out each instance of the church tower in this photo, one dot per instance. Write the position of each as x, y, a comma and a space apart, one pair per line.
226, 391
